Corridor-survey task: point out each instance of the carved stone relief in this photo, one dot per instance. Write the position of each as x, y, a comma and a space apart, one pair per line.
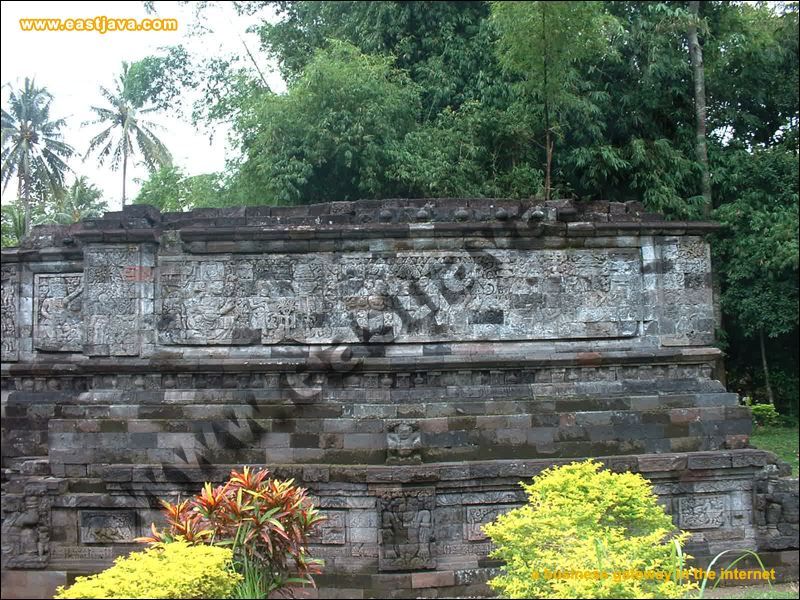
332, 531
686, 306
316, 298
26, 530
9, 315
57, 317
702, 512
406, 529
478, 516
107, 527
403, 444
113, 275
82, 553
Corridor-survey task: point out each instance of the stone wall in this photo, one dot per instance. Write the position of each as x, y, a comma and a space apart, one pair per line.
407, 360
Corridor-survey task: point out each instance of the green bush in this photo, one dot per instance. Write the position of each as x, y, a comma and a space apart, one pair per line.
765, 415
588, 533
173, 570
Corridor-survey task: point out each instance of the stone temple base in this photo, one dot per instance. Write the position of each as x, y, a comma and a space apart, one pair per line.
409, 361
407, 531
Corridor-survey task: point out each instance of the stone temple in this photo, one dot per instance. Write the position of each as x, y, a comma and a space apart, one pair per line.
409, 361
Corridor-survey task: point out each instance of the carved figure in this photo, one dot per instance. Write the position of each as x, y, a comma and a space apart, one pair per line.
406, 530
404, 443
59, 324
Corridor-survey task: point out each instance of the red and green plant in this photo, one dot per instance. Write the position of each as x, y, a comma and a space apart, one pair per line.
265, 521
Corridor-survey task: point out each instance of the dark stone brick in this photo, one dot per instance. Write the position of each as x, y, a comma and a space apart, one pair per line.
143, 440
304, 440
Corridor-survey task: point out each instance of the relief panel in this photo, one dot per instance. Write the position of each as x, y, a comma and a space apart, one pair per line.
9, 312
478, 516
702, 512
406, 297
57, 316
107, 527
406, 529
114, 277
26, 529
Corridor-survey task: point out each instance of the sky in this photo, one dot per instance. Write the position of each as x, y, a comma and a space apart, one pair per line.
72, 66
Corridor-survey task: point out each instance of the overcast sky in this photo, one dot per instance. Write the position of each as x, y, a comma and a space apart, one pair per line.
72, 65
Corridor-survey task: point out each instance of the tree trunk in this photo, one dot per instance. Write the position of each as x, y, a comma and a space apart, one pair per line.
700, 148
770, 396
548, 147
549, 154
23, 192
124, 169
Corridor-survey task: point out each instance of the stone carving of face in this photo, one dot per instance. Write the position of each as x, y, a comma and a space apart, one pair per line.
405, 440
403, 444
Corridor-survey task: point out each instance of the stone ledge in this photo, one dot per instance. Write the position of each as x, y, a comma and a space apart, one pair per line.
749, 459
379, 219
484, 360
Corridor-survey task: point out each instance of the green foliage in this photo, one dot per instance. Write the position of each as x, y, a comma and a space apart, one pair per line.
160, 80
544, 40
165, 189
12, 220
173, 570
746, 376
765, 414
329, 137
472, 152
46, 209
445, 47
783, 441
757, 251
265, 521
623, 120
582, 518
82, 200
786, 385
633, 140
752, 68
170, 189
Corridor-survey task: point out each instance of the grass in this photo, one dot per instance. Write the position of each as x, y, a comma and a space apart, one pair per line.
783, 441
764, 594
778, 590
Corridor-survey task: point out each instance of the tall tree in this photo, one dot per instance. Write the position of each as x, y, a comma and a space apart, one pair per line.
752, 76
444, 46
33, 147
701, 150
543, 41
126, 133
331, 136
758, 249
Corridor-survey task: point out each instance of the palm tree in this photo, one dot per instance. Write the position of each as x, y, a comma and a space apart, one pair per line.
33, 148
125, 131
82, 200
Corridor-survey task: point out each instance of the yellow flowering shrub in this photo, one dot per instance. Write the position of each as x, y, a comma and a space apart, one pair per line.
586, 532
173, 570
